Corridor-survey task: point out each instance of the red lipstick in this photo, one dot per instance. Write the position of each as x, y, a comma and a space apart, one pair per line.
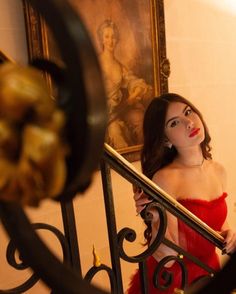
194, 132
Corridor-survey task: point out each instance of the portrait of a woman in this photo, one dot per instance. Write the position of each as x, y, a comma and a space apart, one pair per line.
128, 95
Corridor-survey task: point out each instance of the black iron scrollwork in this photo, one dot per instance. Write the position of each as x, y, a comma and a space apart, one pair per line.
83, 85
166, 274
85, 130
96, 269
21, 265
59, 277
130, 235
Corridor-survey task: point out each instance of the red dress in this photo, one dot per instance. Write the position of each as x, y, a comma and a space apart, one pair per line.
213, 213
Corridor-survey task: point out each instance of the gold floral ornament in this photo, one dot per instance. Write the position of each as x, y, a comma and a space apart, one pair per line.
32, 149
96, 258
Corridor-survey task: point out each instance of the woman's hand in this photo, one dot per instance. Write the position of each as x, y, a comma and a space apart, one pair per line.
230, 241
140, 198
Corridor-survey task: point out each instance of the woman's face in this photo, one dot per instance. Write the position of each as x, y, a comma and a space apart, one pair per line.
108, 39
183, 127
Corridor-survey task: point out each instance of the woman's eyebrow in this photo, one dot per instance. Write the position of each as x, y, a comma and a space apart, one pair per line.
176, 116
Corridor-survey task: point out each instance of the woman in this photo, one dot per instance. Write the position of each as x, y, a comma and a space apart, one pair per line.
123, 90
176, 156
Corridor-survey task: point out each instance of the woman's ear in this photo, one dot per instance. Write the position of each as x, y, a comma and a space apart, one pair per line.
167, 143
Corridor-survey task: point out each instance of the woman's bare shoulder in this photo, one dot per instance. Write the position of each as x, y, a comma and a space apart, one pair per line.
218, 167
220, 172
167, 179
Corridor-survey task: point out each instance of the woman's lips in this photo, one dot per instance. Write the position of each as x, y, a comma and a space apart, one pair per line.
194, 132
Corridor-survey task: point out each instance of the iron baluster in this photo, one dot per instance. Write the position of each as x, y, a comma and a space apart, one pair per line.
68, 217
111, 225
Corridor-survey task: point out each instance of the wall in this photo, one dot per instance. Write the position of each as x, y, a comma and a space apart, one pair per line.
200, 47
12, 29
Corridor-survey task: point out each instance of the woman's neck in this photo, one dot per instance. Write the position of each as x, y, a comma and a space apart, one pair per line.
191, 157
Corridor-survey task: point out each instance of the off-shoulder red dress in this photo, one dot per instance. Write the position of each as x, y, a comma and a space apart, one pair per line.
213, 213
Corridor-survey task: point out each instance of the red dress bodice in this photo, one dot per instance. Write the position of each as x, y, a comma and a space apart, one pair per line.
213, 213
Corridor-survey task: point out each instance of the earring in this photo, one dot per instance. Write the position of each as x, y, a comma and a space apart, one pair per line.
168, 144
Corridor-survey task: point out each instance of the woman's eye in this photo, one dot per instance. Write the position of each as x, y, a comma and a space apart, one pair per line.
188, 111
174, 123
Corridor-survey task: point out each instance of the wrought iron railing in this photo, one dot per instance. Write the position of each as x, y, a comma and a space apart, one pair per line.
35, 255
66, 276
163, 201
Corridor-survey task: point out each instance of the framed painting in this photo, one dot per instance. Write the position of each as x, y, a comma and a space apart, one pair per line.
129, 38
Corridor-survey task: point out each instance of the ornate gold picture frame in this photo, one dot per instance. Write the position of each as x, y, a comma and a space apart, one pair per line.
129, 38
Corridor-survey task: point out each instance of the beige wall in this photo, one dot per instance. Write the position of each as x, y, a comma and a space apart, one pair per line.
200, 47
12, 29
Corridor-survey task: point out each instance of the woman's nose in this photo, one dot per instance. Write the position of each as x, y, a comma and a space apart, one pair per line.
189, 123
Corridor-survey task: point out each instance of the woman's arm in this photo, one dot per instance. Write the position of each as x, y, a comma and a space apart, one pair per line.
171, 234
141, 200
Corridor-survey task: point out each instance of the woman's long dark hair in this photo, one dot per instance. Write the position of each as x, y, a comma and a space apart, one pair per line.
155, 154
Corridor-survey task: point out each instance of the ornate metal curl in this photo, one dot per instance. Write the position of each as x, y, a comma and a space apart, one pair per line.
62, 279
33, 279
85, 130
167, 275
23, 287
94, 270
83, 88
130, 235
